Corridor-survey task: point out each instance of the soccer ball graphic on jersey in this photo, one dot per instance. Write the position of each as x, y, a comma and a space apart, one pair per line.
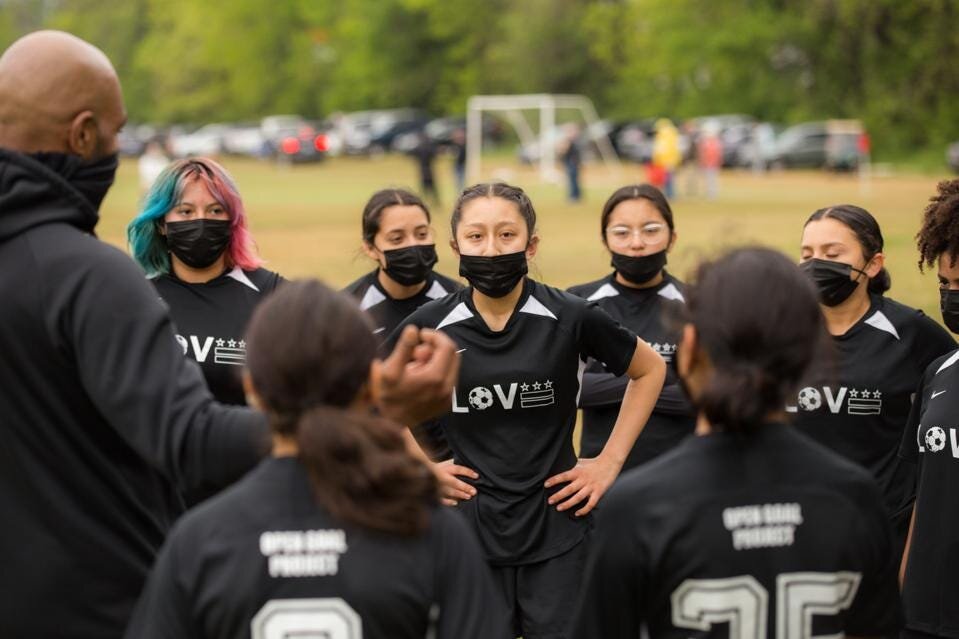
809, 398
935, 439
480, 398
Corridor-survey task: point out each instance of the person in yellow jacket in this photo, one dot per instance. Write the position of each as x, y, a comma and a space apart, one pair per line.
666, 153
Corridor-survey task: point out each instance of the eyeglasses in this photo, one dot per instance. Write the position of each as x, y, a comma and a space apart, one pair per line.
650, 233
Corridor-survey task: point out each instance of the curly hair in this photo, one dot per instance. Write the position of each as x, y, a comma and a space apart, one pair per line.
939, 233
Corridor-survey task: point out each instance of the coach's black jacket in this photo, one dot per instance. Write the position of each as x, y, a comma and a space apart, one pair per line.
99, 411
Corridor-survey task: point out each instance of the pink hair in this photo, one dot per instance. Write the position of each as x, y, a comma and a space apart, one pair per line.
242, 250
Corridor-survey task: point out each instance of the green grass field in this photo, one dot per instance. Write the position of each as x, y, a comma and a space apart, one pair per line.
306, 219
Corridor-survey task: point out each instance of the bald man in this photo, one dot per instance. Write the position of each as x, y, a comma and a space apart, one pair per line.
100, 412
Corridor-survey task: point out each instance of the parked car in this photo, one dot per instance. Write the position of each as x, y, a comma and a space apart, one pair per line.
207, 140
634, 140
952, 156
372, 132
759, 148
833, 144
246, 139
299, 144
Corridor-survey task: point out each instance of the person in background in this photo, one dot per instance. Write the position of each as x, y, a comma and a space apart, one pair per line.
858, 402
424, 153
151, 163
709, 151
340, 532
638, 231
459, 159
192, 239
666, 153
514, 474
572, 159
930, 565
748, 529
399, 237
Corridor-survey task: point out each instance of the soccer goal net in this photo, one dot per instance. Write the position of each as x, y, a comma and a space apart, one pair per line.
515, 109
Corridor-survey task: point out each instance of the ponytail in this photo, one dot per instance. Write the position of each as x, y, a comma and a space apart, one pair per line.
881, 283
758, 324
362, 472
739, 397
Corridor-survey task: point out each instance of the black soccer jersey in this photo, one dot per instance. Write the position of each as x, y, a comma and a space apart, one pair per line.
930, 593
514, 408
387, 313
770, 535
263, 560
211, 320
653, 314
859, 407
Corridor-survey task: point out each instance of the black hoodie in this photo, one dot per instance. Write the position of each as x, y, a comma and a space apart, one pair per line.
99, 414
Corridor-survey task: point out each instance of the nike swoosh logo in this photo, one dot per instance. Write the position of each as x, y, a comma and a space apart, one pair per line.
379, 330
935, 395
463, 349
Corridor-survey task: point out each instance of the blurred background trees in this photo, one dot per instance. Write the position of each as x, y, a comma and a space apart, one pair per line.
887, 62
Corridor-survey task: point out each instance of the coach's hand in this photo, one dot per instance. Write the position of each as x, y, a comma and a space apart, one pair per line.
415, 383
453, 489
588, 480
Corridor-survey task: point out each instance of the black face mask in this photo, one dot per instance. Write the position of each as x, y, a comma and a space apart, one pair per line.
494, 276
949, 305
411, 264
92, 179
198, 243
640, 269
831, 279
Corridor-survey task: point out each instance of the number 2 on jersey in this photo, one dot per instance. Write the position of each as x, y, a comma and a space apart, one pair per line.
742, 602
329, 618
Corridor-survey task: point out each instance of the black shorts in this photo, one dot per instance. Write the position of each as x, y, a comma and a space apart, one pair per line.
541, 597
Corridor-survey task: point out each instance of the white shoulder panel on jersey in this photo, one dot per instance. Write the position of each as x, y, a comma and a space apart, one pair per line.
534, 307
670, 292
458, 314
606, 290
880, 321
436, 291
371, 298
238, 274
949, 362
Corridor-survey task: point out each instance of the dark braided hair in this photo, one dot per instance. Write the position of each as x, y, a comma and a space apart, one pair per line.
506, 192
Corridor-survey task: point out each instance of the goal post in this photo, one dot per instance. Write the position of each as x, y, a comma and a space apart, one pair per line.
512, 108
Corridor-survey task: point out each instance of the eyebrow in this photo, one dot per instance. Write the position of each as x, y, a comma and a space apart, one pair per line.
192, 205
825, 246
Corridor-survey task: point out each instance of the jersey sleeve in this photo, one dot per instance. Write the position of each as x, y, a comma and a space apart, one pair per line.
470, 606
875, 610
612, 585
163, 610
606, 340
909, 447
121, 339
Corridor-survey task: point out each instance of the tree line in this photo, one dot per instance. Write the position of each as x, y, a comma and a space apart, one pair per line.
887, 62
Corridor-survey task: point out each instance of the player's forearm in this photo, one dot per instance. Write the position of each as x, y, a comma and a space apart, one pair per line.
905, 553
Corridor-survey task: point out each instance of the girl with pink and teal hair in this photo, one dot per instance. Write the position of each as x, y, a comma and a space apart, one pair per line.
192, 239
147, 232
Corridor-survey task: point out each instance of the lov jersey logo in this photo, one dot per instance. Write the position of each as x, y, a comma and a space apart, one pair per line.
225, 351
855, 401
531, 395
